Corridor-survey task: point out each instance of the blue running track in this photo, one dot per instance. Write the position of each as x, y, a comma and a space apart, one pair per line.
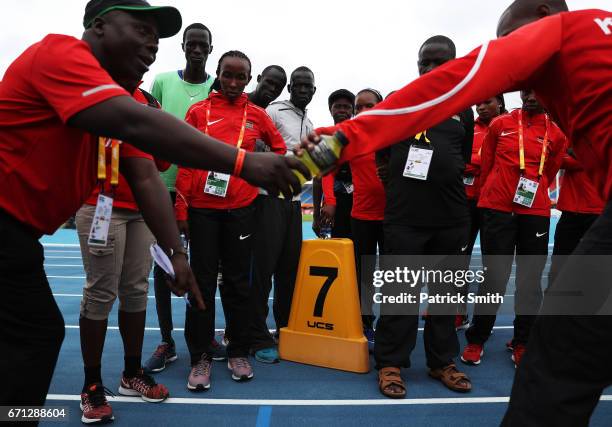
286, 394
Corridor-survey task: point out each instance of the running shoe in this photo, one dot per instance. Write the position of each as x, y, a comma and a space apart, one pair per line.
241, 368
509, 346
217, 351
517, 354
143, 385
461, 322
267, 355
472, 353
94, 405
164, 353
199, 377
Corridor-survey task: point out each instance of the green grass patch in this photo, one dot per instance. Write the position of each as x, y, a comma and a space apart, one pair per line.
307, 217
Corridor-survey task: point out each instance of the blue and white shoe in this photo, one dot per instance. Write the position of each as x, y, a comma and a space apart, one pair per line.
267, 355
165, 353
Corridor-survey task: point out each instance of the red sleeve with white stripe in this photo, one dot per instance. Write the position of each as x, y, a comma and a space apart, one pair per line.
498, 66
69, 77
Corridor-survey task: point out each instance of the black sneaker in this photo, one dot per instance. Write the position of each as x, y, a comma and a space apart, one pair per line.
217, 351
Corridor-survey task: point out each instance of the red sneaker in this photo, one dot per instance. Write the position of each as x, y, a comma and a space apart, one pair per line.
509, 346
472, 353
461, 322
96, 409
143, 385
517, 353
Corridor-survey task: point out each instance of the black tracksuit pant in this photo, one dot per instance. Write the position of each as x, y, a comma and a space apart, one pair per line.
395, 335
342, 219
570, 229
277, 246
502, 234
565, 369
475, 224
368, 238
220, 235
31, 325
163, 296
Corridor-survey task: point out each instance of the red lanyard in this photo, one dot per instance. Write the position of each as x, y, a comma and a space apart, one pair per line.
102, 143
242, 127
522, 146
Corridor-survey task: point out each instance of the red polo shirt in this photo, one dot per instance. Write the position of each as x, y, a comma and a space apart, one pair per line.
123, 197
48, 169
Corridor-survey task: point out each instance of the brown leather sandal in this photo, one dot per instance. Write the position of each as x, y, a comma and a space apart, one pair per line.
390, 383
452, 378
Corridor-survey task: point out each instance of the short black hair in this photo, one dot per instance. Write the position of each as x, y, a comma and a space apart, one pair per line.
374, 92
441, 40
274, 67
339, 94
197, 26
301, 69
233, 54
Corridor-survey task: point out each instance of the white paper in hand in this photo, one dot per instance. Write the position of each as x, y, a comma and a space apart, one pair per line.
161, 259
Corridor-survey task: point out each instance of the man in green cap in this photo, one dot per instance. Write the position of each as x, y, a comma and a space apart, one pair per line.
56, 99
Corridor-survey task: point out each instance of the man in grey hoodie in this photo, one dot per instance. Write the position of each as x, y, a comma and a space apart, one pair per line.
279, 233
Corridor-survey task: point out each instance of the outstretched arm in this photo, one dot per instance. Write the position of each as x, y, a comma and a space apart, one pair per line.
164, 136
498, 66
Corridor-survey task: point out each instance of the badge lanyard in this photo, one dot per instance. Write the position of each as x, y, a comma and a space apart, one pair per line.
114, 144
242, 127
218, 183
526, 189
522, 146
100, 225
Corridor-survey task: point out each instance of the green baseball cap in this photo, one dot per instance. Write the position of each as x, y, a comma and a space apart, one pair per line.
168, 18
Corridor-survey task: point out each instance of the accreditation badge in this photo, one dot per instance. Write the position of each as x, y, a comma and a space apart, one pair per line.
468, 180
348, 186
217, 184
417, 163
526, 191
98, 234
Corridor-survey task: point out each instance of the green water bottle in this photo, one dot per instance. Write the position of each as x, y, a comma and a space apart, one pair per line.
324, 156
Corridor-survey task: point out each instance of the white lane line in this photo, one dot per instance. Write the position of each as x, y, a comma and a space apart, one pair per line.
61, 245
50, 276
309, 402
148, 328
62, 257
63, 265
62, 251
148, 296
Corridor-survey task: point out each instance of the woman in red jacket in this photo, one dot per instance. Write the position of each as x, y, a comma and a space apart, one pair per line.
215, 211
367, 214
487, 110
521, 155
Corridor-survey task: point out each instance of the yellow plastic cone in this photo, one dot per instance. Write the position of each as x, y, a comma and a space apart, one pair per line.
325, 326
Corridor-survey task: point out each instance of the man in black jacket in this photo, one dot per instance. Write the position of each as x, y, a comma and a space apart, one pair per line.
426, 214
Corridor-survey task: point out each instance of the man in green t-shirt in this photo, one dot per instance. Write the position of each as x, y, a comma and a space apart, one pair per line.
177, 91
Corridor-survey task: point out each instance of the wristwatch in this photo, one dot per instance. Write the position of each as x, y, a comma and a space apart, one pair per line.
178, 250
